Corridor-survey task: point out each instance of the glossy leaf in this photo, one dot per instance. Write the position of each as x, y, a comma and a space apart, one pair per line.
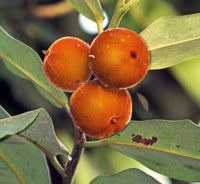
133, 176
24, 62
174, 152
15, 124
89, 8
22, 163
172, 40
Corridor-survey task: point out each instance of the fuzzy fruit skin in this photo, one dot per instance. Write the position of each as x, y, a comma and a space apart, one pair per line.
66, 63
119, 58
100, 111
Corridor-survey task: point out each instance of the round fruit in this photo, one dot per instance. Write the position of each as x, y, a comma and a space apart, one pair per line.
119, 58
100, 111
66, 63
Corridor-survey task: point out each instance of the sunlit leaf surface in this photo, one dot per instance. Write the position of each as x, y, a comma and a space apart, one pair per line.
24, 62
89, 8
168, 147
172, 40
130, 176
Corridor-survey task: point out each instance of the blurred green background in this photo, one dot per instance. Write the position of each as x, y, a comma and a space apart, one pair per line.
164, 94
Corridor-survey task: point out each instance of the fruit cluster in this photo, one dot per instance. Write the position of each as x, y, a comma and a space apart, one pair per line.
117, 58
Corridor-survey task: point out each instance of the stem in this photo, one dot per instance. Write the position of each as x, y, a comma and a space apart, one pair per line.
98, 19
76, 153
99, 26
117, 15
56, 165
120, 10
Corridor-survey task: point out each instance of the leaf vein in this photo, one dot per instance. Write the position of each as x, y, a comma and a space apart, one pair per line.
174, 43
21, 180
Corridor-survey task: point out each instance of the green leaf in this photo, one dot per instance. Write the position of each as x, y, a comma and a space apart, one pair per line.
175, 153
172, 40
3, 113
15, 124
188, 75
22, 164
12, 139
41, 133
89, 8
24, 62
126, 177
133, 176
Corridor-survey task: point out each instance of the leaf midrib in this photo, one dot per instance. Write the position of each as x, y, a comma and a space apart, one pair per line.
120, 143
174, 43
34, 80
16, 173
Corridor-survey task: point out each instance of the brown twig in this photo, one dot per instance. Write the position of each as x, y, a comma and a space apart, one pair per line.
75, 156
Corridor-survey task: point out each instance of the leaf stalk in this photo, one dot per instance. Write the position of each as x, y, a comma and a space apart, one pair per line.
120, 10
99, 20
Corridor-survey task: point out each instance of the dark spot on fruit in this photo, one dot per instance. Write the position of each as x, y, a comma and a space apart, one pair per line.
114, 120
134, 54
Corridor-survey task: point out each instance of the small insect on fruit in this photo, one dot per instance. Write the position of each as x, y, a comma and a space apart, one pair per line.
119, 58
100, 111
66, 63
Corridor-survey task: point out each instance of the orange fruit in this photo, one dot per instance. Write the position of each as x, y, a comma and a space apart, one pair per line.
119, 58
66, 63
100, 111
